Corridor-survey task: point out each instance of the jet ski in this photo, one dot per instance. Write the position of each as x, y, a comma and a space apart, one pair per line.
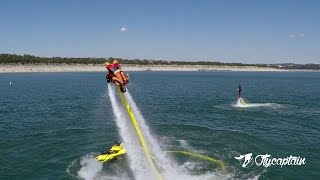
115, 152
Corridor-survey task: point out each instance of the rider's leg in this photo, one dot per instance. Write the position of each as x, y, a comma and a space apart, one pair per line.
120, 77
117, 80
124, 77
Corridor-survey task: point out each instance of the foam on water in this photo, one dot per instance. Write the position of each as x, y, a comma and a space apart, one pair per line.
183, 143
239, 104
90, 168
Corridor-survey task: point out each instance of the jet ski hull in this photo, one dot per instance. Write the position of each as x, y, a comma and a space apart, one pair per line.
112, 156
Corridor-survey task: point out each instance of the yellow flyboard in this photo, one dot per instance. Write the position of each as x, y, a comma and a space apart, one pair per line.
244, 103
219, 163
137, 128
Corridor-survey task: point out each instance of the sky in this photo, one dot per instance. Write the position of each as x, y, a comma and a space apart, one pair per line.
245, 31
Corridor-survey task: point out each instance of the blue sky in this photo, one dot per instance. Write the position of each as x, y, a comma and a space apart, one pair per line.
247, 31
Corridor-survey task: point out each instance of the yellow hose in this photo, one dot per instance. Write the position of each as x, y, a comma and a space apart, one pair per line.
137, 128
219, 163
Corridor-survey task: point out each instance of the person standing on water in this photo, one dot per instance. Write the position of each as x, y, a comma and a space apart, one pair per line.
239, 90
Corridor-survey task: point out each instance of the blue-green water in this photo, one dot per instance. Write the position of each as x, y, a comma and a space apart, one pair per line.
49, 121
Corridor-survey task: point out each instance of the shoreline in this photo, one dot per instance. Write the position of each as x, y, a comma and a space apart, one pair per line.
19, 68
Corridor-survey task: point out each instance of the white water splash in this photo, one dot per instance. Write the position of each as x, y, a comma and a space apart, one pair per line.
243, 103
137, 161
183, 142
90, 168
163, 161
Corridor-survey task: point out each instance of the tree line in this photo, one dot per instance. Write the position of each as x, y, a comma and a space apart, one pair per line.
30, 59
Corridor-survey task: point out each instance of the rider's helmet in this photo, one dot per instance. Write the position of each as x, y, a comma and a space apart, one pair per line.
115, 61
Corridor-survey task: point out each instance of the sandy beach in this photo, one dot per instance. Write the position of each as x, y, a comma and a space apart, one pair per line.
16, 68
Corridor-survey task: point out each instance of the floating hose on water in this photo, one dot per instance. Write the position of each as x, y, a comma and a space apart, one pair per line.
219, 163
137, 128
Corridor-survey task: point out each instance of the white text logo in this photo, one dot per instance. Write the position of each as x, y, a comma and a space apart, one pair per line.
267, 161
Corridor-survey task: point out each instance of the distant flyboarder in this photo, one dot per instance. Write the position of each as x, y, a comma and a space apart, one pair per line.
239, 90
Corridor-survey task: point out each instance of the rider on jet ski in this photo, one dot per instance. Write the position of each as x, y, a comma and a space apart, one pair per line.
112, 150
116, 151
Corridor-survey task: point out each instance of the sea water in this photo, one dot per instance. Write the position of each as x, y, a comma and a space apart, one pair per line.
53, 124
